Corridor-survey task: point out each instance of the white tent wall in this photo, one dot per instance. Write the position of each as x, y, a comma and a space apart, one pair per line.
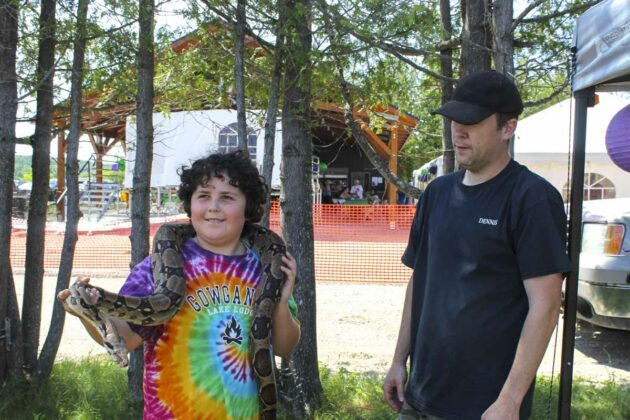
543, 139
182, 137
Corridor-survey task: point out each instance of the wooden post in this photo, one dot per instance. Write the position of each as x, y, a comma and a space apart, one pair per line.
61, 174
99, 167
393, 166
393, 162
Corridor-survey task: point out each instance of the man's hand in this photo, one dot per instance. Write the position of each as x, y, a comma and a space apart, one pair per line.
65, 294
504, 408
394, 386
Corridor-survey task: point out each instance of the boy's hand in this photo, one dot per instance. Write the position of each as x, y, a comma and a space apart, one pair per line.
65, 294
289, 268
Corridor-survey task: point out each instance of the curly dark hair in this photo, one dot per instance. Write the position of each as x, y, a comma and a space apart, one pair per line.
241, 172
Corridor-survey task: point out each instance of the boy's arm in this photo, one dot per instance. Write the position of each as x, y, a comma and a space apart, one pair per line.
285, 331
132, 340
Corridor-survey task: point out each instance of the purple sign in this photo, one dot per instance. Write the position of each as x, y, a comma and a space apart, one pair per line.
618, 139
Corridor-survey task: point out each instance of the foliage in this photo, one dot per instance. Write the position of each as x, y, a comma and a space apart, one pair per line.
23, 170
350, 395
90, 389
590, 401
94, 388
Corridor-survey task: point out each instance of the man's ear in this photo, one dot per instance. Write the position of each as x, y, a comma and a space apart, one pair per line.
509, 128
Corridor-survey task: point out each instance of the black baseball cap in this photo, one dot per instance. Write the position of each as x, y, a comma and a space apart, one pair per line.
481, 94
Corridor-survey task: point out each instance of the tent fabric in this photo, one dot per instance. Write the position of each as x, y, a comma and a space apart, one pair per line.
601, 40
549, 131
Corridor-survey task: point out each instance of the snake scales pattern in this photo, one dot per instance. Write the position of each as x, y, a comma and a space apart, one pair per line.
99, 305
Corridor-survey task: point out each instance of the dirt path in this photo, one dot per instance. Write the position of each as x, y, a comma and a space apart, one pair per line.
357, 329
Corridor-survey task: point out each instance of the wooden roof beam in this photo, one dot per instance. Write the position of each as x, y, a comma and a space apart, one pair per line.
375, 141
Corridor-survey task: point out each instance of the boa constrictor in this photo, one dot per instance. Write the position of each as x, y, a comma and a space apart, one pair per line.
99, 305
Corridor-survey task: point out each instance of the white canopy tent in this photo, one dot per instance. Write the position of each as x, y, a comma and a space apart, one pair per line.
600, 63
543, 143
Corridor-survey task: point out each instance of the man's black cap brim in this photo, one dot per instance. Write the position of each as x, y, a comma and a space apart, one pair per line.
463, 112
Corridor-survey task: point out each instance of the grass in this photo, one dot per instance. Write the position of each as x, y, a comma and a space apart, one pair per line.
96, 389
91, 389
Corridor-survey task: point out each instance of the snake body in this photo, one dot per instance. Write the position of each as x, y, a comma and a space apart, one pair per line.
99, 305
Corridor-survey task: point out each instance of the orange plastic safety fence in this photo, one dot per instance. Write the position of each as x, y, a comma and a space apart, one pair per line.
353, 243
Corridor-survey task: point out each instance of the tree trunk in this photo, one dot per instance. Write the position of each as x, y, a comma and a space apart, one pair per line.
51, 345
502, 13
446, 70
239, 75
297, 201
272, 106
8, 111
475, 55
38, 205
141, 200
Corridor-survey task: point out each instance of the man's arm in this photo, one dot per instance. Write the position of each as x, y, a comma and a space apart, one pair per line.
394, 383
544, 297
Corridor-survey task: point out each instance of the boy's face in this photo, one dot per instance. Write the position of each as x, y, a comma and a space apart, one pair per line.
217, 213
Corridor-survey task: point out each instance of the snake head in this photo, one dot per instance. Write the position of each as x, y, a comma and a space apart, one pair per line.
83, 299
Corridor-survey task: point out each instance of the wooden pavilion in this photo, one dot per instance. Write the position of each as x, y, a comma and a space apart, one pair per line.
104, 123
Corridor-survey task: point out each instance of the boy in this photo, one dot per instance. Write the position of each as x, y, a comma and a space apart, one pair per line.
197, 365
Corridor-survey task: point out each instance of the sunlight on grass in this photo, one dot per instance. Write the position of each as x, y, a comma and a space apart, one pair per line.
91, 389
97, 389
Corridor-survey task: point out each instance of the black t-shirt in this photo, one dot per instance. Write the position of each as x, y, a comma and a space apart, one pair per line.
471, 248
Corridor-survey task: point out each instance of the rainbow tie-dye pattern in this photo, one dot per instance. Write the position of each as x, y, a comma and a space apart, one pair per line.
197, 366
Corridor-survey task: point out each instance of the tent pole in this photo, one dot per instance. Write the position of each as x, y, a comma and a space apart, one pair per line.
583, 100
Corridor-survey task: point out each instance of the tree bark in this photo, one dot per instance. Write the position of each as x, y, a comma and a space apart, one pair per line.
38, 202
502, 13
8, 112
475, 52
239, 75
141, 200
51, 345
446, 69
296, 201
272, 107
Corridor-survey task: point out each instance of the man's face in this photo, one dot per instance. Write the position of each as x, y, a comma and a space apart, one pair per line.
480, 145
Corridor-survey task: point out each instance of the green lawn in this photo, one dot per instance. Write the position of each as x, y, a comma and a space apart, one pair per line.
96, 389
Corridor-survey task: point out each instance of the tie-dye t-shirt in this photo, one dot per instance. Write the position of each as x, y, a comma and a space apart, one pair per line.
197, 365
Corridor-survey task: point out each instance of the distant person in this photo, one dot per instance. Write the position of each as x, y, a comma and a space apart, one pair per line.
326, 193
487, 249
401, 197
373, 198
344, 195
357, 190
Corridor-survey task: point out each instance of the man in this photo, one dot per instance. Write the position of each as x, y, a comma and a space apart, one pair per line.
487, 249
357, 190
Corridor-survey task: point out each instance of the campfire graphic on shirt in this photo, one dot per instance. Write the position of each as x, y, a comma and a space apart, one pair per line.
232, 332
